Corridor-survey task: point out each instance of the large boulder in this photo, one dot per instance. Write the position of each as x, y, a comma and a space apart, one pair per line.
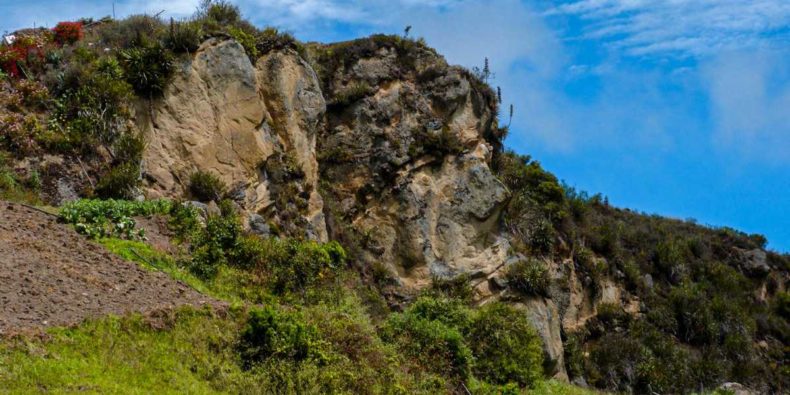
224, 115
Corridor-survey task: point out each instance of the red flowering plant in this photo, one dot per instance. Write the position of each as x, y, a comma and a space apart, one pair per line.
27, 49
8, 61
68, 32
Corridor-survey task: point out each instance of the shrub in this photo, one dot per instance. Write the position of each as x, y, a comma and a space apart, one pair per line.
506, 347
134, 31
184, 36
441, 142
783, 304
214, 245
671, 257
525, 176
128, 148
91, 106
25, 55
120, 182
541, 237
247, 40
450, 312
351, 94
68, 32
458, 287
299, 264
431, 344
184, 220
205, 186
529, 277
221, 12
147, 69
271, 334
271, 39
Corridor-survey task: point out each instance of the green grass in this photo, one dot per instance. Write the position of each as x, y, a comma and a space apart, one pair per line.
151, 259
193, 351
127, 355
230, 284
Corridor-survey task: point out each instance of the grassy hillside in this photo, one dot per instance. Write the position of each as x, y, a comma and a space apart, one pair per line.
300, 321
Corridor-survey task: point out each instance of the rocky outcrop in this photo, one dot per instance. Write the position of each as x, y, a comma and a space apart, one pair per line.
381, 144
224, 115
402, 141
409, 161
545, 317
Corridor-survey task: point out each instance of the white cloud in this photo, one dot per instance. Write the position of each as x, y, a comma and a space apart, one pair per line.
750, 98
682, 27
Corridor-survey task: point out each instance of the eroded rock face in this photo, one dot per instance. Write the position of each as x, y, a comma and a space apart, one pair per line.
224, 115
545, 318
409, 164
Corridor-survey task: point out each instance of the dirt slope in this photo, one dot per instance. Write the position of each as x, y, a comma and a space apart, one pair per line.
50, 275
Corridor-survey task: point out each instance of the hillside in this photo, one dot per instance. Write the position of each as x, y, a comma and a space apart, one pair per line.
356, 203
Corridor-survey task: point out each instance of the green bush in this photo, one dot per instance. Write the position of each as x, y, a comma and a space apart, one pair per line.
505, 345
184, 220
246, 39
205, 186
289, 265
148, 69
458, 287
351, 94
450, 312
128, 148
213, 245
529, 277
184, 36
431, 344
271, 39
120, 182
133, 31
297, 265
91, 105
272, 334
525, 176
220, 12
783, 304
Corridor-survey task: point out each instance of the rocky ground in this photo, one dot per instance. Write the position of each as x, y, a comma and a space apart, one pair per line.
51, 276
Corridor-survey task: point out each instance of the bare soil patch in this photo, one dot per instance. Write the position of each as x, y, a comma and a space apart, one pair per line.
52, 276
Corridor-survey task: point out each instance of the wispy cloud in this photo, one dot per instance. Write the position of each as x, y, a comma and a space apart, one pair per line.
682, 27
750, 97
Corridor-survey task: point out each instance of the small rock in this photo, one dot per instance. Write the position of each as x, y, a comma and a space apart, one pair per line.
755, 262
66, 192
259, 226
648, 281
499, 282
213, 209
579, 382
202, 208
238, 193
736, 388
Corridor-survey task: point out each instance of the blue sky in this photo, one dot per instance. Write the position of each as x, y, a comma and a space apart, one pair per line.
674, 107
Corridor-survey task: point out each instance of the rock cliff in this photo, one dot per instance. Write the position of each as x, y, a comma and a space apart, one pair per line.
240, 121
381, 144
